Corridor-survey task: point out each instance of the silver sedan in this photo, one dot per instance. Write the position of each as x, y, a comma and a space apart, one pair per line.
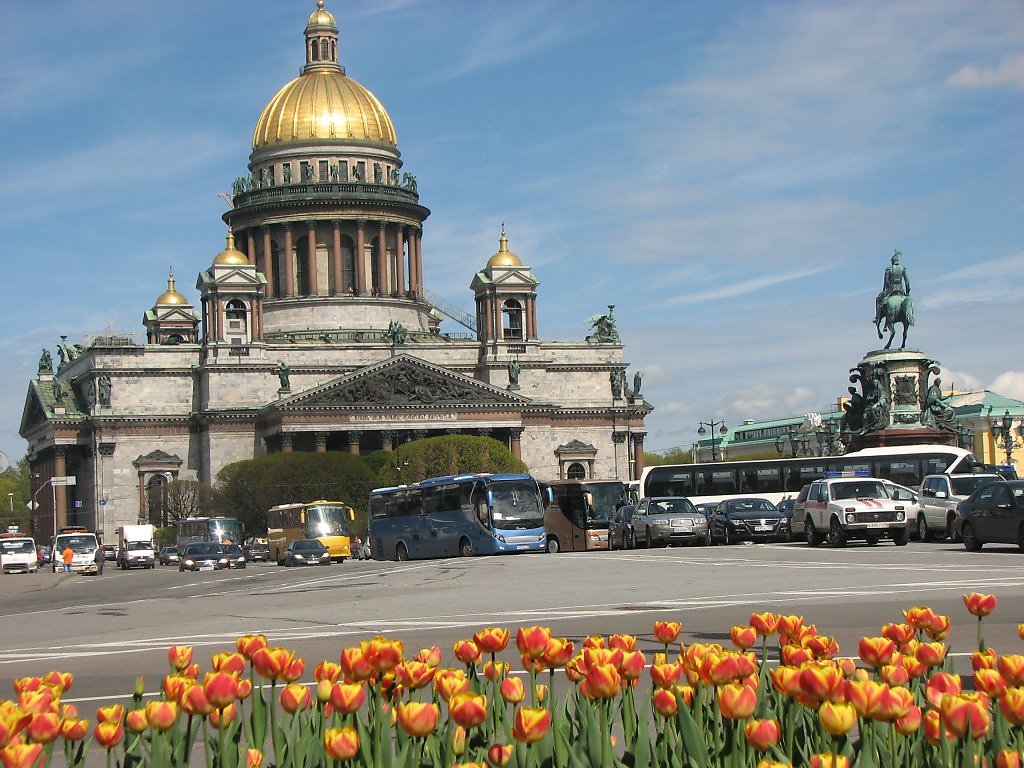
664, 520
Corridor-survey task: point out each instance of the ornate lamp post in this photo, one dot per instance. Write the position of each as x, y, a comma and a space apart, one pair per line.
1003, 432
965, 437
829, 440
714, 440
798, 443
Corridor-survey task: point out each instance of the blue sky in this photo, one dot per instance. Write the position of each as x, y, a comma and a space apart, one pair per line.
732, 176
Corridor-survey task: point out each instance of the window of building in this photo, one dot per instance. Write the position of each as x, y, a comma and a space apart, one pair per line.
325, 170
576, 471
512, 319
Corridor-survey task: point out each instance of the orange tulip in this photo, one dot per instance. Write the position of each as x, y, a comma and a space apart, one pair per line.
876, 651
931, 654
1011, 704
194, 701
829, 760
939, 685
383, 654
499, 755
111, 714
984, 659
665, 675
233, 663
492, 639
1011, 667
980, 605
717, 670
632, 666
512, 690
21, 755
965, 714
448, 682
44, 727
468, 709
837, 717
530, 724
576, 669
919, 616
899, 633
910, 722
603, 682
743, 637
822, 682
294, 670
822, 646
74, 729
221, 688
175, 686
354, 665
764, 624
417, 718
161, 714
938, 629
1009, 758
895, 704
1020, 631
557, 652
664, 702
495, 670
221, 718
347, 697
989, 682
532, 641
795, 655
247, 645
622, 642
895, 675
762, 735
789, 626
594, 641
341, 743
595, 656
136, 722
244, 688
108, 735
867, 697
272, 663
179, 656
934, 730
467, 651
27, 684
430, 656
667, 631
766, 763
295, 697
414, 674
60, 680
43, 700
253, 758
787, 680
736, 701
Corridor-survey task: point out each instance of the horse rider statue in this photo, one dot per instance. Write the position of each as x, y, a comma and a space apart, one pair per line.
893, 304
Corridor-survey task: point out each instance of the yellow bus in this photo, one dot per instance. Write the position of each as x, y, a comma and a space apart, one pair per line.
326, 521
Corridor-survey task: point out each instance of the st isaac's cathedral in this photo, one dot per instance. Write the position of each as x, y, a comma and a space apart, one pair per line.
315, 331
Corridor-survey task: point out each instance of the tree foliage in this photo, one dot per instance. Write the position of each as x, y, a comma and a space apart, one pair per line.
247, 489
448, 455
187, 498
15, 494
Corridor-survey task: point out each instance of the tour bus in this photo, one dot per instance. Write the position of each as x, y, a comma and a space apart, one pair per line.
578, 513
18, 553
83, 544
472, 514
222, 530
327, 521
776, 479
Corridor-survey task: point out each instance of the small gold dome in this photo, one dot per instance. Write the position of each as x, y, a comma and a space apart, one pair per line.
230, 255
320, 17
504, 257
170, 296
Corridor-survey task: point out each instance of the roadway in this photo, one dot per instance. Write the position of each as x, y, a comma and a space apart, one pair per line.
108, 630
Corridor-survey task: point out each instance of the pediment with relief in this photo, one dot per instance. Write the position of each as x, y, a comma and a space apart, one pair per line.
401, 381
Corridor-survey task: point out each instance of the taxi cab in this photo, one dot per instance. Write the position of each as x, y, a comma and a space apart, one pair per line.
850, 505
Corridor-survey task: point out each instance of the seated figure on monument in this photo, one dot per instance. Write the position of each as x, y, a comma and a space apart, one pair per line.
937, 414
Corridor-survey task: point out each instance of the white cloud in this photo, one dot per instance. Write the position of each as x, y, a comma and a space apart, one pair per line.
1009, 383
1009, 72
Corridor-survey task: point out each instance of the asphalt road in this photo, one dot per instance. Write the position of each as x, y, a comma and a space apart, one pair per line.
109, 630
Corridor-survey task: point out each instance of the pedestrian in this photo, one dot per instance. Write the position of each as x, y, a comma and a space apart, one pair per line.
67, 556
100, 559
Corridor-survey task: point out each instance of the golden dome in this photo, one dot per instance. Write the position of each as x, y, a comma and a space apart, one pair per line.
504, 257
320, 17
170, 296
230, 255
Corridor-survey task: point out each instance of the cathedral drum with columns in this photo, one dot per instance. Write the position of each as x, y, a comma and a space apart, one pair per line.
315, 332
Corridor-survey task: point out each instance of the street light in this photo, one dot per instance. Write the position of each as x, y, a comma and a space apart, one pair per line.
798, 443
714, 440
829, 440
1002, 431
965, 437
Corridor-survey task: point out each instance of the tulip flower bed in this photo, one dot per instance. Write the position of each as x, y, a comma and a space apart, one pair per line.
897, 703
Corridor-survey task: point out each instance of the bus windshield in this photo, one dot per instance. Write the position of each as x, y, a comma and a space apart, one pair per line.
516, 505
226, 529
326, 520
83, 543
606, 498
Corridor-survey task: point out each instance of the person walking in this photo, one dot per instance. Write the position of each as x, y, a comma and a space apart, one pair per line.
68, 555
100, 560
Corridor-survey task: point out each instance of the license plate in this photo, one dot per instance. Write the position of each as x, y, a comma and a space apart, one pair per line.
206, 568
686, 528
877, 525
521, 546
762, 527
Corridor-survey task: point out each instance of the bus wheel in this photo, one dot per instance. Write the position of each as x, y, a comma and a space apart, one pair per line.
465, 548
401, 553
553, 545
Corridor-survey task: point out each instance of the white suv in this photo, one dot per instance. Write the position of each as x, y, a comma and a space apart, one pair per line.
938, 500
843, 508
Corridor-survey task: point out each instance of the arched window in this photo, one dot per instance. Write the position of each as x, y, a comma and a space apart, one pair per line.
235, 310
512, 319
156, 500
314, 51
348, 265
325, 50
576, 471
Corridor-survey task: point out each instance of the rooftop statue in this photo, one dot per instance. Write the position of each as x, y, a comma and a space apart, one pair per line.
893, 304
603, 327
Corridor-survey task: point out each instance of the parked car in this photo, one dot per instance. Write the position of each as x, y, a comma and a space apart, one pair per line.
109, 551
664, 520
306, 552
796, 525
707, 508
992, 514
257, 552
748, 520
361, 548
844, 508
168, 556
939, 497
618, 526
908, 496
203, 556
786, 508
235, 555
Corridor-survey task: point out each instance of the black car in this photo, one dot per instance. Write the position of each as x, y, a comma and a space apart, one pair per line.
203, 556
257, 552
786, 508
168, 556
306, 552
619, 525
236, 556
993, 514
748, 520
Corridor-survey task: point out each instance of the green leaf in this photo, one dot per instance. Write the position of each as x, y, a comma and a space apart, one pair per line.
693, 739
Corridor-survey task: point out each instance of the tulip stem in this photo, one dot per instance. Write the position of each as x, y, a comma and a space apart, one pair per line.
981, 637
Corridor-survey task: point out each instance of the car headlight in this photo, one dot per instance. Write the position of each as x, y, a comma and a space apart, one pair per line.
851, 519
188, 562
297, 556
900, 517
223, 561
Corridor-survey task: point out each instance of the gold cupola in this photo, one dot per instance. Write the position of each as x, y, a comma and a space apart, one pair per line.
504, 257
230, 255
170, 296
323, 103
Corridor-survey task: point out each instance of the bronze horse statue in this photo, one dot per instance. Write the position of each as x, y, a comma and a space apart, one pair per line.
894, 308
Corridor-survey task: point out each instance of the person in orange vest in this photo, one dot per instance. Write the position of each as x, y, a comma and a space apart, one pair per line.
67, 556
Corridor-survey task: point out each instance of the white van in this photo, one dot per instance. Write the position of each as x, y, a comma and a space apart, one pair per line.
18, 554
